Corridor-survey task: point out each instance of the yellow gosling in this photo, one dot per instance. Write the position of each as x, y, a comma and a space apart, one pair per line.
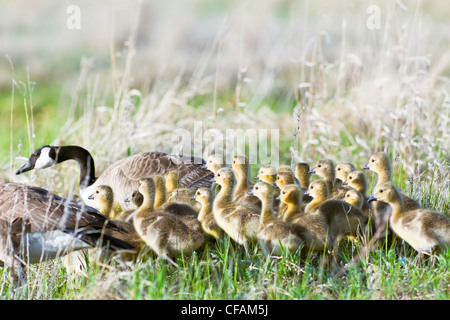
425, 230
274, 236
164, 233
205, 197
239, 221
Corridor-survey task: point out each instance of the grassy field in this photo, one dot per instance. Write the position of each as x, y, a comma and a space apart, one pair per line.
314, 71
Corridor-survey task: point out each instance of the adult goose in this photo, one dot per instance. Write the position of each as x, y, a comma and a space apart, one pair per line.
51, 226
122, 176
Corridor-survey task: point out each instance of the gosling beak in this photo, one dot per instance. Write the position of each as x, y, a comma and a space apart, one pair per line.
307, 192
275, 183
277, 198
250, 192
345, 183
366, 167
127, 199
313, 170
91, 197
204, 167
372, 198
213, 179
193, 197
26, 167
256, 177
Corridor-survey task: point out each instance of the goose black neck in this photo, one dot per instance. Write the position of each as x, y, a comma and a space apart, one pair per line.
84, 159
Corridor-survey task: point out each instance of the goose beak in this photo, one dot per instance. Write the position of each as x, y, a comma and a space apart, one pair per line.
366, 167
372, 198
313, 170
250, 191
345, 183
26, 167
91, 197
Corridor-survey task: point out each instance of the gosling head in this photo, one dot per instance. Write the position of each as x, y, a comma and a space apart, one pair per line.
262, 190
284, 178
214, 163
203, 195
357, 179
267, 174
354, 198
385, 192
324, 168
290, 193
102, 194
225, 177
135, 198
318, 189
240, 164
284, 168
147, 187
378, 162
343, 169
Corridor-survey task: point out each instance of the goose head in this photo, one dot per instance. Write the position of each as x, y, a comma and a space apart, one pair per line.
385, 192
290, 193
214, 163
325, 169
343, 169
267, 174
354, 197
318, 190
284, 178
41, 158
378, 163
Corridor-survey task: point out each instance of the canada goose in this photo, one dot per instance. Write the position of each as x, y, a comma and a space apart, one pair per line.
311, 227
267, 173
123, 175
183, 211
237, 220
342, 171
326, 169
163, 232
380, 164
55, 226
205, 197
273, 235
318, 190
425, 230
241, 168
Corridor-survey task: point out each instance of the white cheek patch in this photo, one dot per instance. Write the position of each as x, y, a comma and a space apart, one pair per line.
44, 160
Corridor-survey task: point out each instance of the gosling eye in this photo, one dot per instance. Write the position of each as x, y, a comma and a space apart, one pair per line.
311, 187
278, 178
198, 192
218, 175
319, 165
348, 196
262, 172
373, 160
339, 169
284, 192
381, 191
97, 191
350, 177
210, 161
